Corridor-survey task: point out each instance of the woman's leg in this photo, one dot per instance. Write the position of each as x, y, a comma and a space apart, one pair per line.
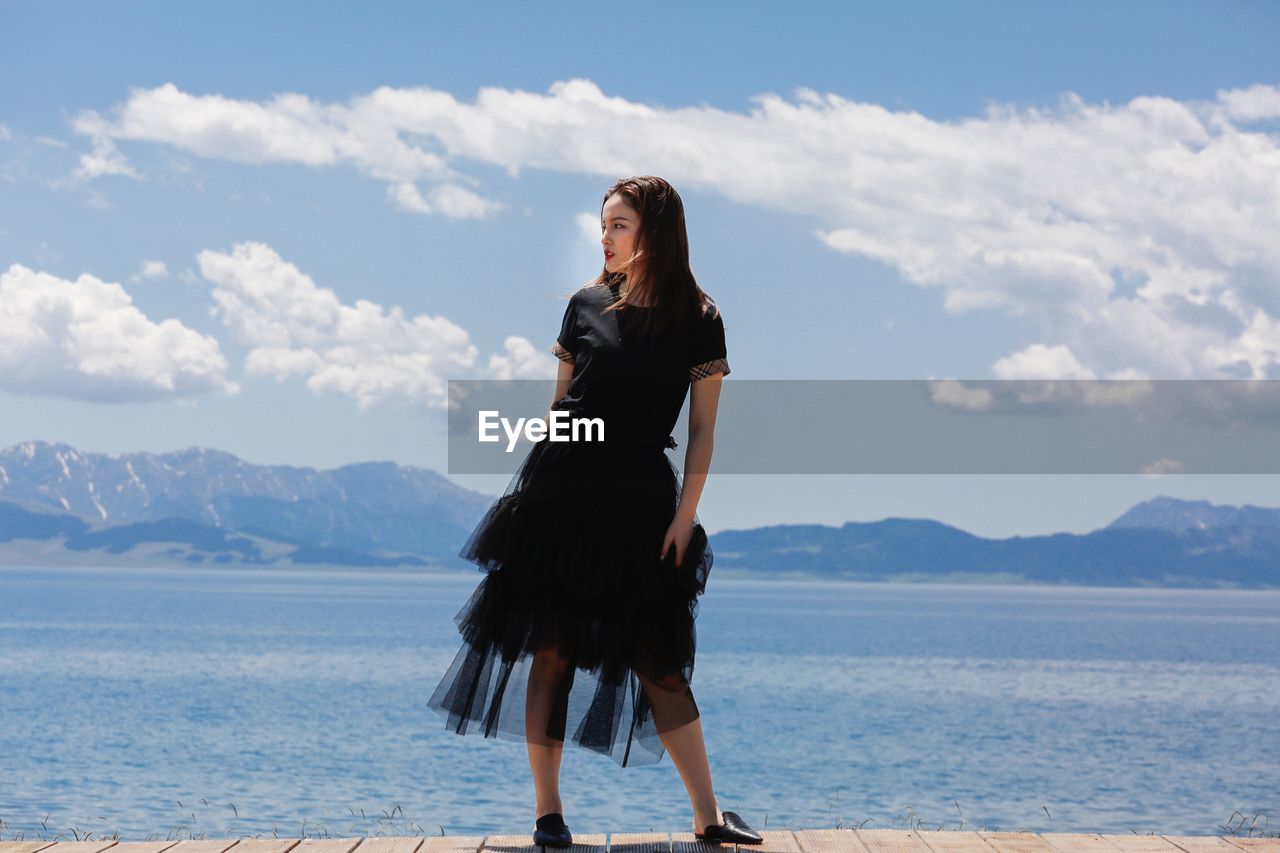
550, 677
675, 714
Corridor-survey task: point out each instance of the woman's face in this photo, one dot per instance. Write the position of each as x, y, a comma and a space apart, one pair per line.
619, 225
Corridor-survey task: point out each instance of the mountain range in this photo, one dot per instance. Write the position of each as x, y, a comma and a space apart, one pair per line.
61, 506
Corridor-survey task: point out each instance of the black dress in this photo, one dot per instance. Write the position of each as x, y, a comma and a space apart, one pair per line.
571, 556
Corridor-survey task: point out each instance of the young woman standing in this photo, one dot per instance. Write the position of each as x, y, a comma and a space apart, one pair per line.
594, 558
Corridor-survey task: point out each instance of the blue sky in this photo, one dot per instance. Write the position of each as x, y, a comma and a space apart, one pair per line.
276, 229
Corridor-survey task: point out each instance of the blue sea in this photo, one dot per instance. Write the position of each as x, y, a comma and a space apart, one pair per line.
229, 702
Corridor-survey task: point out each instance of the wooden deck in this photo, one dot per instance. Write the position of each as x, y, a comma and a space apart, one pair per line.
775, 841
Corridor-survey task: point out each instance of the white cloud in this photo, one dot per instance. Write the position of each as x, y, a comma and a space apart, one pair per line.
104, 159
1074, 394
5, 133
589, 225
375, 355
1257, 103
957, 395
151, 269
1233, 408
1086, 222
520, 359
1163, 467
1042, 362
453, 201
407, 197
85, 339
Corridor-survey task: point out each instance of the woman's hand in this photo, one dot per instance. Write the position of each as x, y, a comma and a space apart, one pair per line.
678, 534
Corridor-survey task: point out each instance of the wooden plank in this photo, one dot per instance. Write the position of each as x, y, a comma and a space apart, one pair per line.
195, 845
641, 842
594, 842
261, 845
451, 844
511, 843
327, 845
155, 846
393, 844
775, 841
1016, 842
684, 842
953, 841
892, 840
1201, 843
1134, 843
829, 841
1079, 842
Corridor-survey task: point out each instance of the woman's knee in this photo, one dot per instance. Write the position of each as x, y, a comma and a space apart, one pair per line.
672, 683
671, 698
551, 662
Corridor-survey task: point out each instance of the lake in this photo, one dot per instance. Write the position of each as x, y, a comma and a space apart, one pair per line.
236, 702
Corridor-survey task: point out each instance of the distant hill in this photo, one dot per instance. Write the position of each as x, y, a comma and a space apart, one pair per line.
372, 513
1175, 515
59, 506
920, 549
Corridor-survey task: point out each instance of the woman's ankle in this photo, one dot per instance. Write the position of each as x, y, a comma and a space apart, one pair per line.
701, 823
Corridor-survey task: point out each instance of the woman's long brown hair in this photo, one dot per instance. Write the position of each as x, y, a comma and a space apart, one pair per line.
659, 282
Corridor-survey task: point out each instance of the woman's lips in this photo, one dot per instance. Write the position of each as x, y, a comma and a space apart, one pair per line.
608, 254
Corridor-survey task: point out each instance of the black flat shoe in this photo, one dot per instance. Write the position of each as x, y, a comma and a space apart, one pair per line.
734, 830
552, 832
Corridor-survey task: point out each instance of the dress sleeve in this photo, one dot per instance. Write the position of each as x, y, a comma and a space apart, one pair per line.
565, 345
709, 355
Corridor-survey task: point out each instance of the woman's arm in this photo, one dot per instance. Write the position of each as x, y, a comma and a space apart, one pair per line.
704, 400
564, 375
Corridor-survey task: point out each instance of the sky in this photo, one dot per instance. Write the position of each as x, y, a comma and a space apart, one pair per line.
279, 229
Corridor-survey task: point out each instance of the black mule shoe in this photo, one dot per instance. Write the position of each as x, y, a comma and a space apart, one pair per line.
552, 832
734, 830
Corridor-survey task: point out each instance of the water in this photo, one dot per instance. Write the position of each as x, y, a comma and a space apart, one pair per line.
298, 699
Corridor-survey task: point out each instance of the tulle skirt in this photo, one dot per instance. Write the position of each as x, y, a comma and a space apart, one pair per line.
578, 631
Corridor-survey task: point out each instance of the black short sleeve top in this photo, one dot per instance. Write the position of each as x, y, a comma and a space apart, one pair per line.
627, 378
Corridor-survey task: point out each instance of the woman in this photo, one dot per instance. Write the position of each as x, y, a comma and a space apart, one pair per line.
594, 558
